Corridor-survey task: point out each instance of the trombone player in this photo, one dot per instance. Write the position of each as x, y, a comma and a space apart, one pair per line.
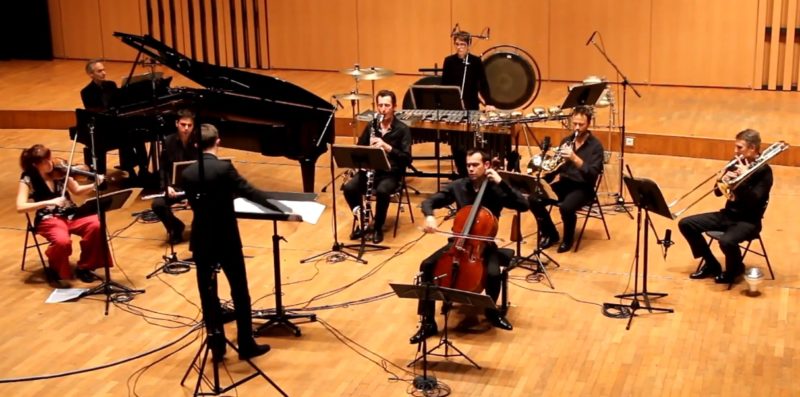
740, 220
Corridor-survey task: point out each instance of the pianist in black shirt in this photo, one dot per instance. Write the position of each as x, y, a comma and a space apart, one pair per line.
101, 95
453, 70
177, 147
215, 242
394, 138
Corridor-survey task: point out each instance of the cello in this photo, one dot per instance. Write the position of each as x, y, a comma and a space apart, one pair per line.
461, 266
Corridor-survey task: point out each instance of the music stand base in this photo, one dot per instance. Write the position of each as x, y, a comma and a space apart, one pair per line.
283, 320
447, 346
199, 365
632, 307
537, 266
336, 249
110, 289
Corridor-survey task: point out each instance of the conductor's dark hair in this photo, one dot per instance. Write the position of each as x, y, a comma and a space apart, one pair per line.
208, 136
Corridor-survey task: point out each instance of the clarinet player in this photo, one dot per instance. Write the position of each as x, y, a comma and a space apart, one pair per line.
394, 138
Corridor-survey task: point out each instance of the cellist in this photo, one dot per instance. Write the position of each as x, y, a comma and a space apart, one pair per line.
462, 192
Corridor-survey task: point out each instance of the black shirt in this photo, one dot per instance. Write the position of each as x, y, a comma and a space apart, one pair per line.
750, 198
591, 152
399, 138
453, 73
461, 192
174, 151
100, 97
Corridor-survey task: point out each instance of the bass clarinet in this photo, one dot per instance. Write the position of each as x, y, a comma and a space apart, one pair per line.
366, 213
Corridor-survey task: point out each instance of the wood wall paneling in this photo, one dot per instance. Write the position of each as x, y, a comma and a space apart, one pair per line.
624, 31
56, 28
312, 34
262, 40
404, 36
760, 59
118, 16
790, 24
520, 23
81, 29
708, 43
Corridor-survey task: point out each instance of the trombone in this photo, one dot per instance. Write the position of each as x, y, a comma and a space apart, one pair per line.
727, 186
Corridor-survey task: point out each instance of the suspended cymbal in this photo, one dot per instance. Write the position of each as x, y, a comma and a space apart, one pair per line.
350, 96
357, 72
378, 73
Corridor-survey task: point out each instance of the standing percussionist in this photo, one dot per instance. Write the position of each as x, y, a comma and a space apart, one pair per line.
394, 138
573, 182
465, 70
739, 221
463, 192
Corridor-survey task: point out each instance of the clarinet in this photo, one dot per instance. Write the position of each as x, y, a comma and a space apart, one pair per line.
366, 214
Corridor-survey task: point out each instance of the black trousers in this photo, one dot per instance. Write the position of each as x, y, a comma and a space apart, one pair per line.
162, 207
235, 272
492, 259
385, 185
129, 158
571, 197
735, 231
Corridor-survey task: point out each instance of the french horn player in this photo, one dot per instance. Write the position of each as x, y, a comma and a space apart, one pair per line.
746, 182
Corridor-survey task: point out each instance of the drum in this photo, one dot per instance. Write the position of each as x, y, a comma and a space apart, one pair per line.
513, 75
408, 103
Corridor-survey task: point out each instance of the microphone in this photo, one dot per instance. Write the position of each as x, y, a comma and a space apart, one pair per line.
455, 30
339, 104
545, 144
667, 241
591, 38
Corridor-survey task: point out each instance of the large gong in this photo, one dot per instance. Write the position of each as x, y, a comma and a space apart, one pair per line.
513, 75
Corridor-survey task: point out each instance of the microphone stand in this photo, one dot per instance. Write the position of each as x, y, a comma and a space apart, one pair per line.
625, 83
338, 248
108, 287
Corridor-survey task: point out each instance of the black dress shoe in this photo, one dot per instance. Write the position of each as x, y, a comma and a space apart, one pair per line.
425, 330
86, 275
728, 276
705, 272
252, 350
548, 240
499, 321
377, 237
356, 234
564, 247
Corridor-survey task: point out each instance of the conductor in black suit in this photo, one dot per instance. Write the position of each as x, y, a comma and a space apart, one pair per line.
215, 241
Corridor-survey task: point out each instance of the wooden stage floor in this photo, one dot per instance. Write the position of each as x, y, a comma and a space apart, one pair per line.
717, 342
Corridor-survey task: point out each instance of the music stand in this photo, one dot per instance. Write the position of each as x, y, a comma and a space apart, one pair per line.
647, 197
437, 98
361, 157
102, 204
532, 185
432, 292
584, 95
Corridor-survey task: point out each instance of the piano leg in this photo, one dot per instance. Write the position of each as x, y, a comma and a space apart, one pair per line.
307, 168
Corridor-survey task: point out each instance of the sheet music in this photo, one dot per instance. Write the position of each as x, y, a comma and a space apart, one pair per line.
60, 295
310, 211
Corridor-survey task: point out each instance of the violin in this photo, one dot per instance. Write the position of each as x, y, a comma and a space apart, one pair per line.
461, 266
61, 166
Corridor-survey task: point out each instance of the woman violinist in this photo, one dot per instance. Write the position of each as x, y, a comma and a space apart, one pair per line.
44, 187
463, 192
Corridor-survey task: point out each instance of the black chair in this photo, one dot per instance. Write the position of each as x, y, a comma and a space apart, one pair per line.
593, 210
745, 246
30, 233
401, 198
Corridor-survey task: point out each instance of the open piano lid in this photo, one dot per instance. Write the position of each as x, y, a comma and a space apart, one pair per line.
215, 77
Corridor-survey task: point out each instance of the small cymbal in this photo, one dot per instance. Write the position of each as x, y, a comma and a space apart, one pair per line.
378, 73
350, 96
357, 72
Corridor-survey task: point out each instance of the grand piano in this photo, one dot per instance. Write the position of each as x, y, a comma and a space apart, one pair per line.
253, 112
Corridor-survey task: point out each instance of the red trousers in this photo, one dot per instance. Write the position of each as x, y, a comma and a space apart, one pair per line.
57, 231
